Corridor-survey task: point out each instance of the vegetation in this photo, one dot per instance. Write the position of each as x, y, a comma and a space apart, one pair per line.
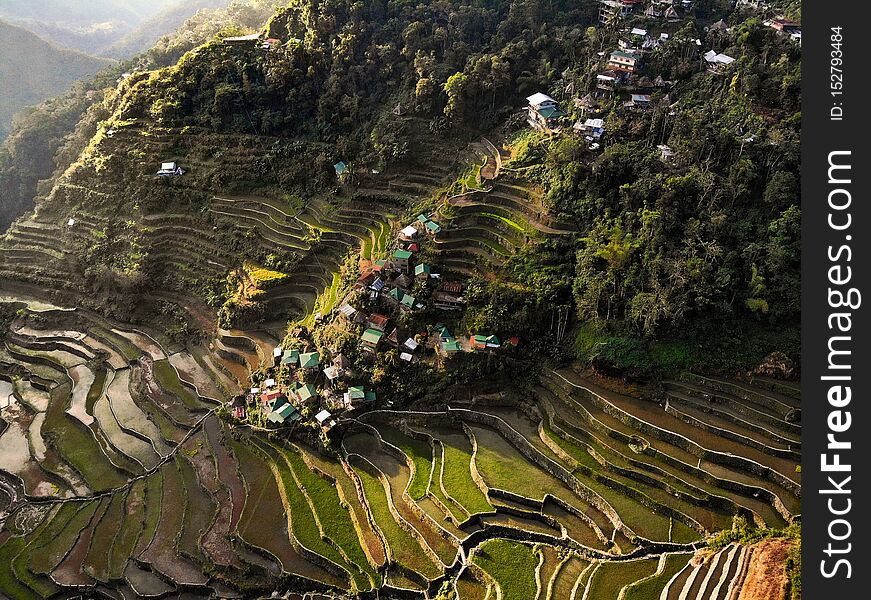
612, 256
512, 565
39, 69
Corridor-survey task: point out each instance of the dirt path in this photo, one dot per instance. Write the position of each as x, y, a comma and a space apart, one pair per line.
766, 578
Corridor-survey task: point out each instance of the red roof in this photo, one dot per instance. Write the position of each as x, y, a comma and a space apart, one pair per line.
269, 396
378, 320
414, 247
454, 287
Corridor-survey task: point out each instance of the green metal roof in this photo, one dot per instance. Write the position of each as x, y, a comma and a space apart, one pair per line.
309, 360
422, 268
433, 226
452, 346
550, 112
369, 396
290, 357
396, 294
408, 300
356, 392
631, 55
372, 336
278, 403
307, 392
422, 218
402, 254
286, 410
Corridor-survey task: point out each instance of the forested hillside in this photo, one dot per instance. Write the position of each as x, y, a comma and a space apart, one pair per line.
410, 299
33, 70
674, 259
30, 153
87, 26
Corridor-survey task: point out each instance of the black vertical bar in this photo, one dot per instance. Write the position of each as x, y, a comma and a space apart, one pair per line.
835, 267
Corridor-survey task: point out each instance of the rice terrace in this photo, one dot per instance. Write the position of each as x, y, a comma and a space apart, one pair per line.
429, 299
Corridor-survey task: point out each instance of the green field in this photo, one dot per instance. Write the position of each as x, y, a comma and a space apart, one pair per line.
511, 565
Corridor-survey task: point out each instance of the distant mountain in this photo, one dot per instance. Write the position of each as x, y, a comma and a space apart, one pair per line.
149, 31
32, 70
95, 26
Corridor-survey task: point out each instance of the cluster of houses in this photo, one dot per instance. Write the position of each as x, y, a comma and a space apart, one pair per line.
388, 282
283, 405
670, 10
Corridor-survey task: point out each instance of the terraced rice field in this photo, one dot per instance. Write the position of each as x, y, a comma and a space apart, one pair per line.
578, 493
560, 498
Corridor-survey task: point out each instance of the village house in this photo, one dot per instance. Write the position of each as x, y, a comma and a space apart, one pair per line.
332, 373
718, 27
357, 395
394, 296
638, 101
447, 301
447, 343
270, 396
310, 362
285, 414
586, 105
341, 169
239, 405
422, 271
269, 43
623, 61
610, 10
484, 342
377, 321
593, 129
325, 420
306, 394
408, 302
605, 83
411, 344
432, 228
717, 63
408, 233
371, 338
785, 26
290, 357
665, 153
241, 39
170, 169
544, 113
348, 311
401, 260
341, 362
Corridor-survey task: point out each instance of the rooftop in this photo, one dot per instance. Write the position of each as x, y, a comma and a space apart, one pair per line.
309, 360
540, 98
372, 336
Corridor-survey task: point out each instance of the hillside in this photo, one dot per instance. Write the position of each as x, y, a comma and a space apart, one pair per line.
33, 70
87, 26
30, 153
163, 22
427, 299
